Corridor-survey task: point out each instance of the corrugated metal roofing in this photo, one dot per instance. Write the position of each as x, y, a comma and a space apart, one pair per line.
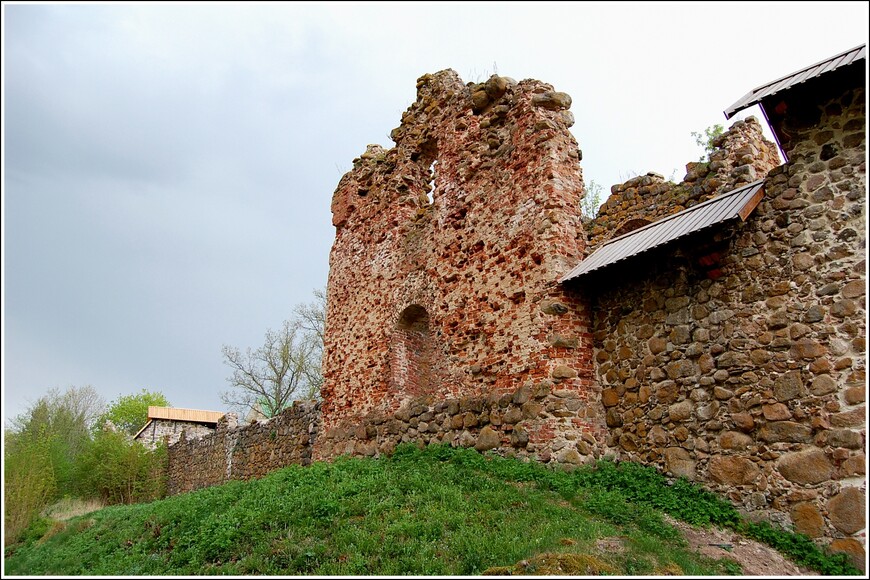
192, 415
829, 64
728, 206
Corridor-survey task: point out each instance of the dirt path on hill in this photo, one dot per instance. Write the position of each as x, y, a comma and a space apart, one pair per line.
755, 558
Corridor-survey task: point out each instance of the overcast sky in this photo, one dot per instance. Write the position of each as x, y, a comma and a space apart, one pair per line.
168, 169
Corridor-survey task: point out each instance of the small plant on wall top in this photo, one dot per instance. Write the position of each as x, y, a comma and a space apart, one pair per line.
705, 140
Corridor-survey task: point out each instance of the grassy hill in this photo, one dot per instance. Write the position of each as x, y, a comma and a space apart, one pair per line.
436, 511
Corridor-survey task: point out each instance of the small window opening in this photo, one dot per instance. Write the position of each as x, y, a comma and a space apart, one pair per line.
427, 157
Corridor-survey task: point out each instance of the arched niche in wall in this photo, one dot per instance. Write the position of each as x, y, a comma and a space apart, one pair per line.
411, 352
629, 226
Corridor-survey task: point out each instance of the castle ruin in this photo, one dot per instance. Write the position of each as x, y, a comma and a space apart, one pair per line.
469, 304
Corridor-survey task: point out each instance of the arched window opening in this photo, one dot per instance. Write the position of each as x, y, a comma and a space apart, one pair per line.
411, 352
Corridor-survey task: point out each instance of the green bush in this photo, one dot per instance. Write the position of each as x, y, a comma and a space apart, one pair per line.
118, 471
130, 412
30, 483
679, 498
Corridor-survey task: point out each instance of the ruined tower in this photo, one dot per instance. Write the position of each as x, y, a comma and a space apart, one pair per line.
448, 248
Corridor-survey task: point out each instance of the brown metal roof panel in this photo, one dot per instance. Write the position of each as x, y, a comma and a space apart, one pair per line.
725, 209
731, 205
701, 217
648, 237
828, 65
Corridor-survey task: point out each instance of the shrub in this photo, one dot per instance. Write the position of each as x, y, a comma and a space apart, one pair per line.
117, 470
30, 482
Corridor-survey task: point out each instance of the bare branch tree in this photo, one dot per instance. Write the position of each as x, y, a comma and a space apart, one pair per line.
286, 368
312, 319
312, 316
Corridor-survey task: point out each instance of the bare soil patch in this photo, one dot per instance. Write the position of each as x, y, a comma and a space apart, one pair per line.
755, 558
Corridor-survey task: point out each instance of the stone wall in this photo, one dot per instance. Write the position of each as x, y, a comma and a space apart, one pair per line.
448, 248
542, 421
169, 432
742, 155
243, 452
738, 359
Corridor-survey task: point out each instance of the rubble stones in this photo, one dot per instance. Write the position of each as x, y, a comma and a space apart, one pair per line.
679, 463
733, 470
488, 439
847, 510
552, 100
805, 467
807, 519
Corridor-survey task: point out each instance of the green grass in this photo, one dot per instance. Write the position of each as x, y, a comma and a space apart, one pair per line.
437, 511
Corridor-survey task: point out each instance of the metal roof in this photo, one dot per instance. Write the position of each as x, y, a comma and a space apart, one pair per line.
829, 64
728, 206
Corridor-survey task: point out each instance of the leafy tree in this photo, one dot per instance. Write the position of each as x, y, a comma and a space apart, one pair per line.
69, 416
285, 368
41, 449
62, 421
591, 202
29, 482
705, 140
129, 413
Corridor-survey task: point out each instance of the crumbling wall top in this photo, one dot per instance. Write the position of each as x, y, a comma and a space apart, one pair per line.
741, 155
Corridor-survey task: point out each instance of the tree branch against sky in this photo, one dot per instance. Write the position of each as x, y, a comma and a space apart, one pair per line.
284, 369
312, 318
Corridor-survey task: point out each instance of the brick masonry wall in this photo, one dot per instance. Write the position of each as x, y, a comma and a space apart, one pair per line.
243, 452
474, 268
752, 380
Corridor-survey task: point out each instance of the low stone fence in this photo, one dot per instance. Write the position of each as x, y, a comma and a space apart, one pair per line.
243, 452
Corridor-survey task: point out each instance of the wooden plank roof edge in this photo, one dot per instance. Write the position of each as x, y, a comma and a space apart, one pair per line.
182, 414
139, 432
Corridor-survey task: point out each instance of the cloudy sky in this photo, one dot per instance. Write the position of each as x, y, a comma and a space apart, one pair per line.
168, 169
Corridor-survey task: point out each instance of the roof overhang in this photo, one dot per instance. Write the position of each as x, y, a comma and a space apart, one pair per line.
736, 204
189, 415
757, 95
800, 87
